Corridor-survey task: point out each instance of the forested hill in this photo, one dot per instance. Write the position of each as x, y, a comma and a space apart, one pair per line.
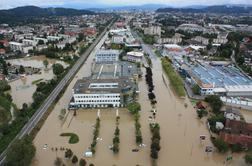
223, 9
28, 12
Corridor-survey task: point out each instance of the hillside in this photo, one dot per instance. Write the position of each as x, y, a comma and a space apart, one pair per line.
223, 9
28, 12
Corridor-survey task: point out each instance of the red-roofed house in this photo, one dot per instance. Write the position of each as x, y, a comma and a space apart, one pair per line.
237, 132
90, 31
2, 51
120, 24
2, 77
5, 43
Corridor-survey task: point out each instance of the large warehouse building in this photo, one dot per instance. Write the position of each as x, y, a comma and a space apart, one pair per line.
222, 80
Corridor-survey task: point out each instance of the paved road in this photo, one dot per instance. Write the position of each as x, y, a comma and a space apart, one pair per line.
234, 61
146, 48
52, 97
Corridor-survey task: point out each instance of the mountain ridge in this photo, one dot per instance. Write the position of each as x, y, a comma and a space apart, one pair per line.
224, 9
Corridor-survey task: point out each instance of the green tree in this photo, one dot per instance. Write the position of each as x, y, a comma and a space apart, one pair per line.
201, 113
58, 69
74, 159
134, 108
58, 162
21, 69
220, 144
5, 67
24, 107
215, 102
45, 62
4, 86
80, 37
248, 157
21, 152
82, 162
41, 42
68, 153
196, 89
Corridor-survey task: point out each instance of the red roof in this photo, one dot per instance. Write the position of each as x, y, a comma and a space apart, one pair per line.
2, 51
4, 42
232, 139
89, 31
237, 132
200, 105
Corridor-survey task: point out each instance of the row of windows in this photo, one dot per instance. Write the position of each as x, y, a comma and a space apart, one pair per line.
97, 101
102, 55
105, 96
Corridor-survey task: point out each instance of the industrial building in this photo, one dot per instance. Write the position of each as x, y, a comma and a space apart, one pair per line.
90, 93
220, 79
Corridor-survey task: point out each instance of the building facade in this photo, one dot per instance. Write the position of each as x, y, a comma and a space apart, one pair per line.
107, 56
92, 93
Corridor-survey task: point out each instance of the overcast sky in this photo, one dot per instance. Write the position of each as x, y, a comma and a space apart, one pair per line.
5, 4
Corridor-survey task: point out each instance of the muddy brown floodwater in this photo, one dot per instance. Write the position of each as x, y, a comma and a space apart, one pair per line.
180, 130
23, 89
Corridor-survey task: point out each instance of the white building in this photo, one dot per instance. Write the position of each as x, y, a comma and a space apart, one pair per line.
239, 90
201, 40
220, 41
90, 92
28, 42
118, 39
173, 40
190, 28
53, 38
153, 30
134, 56
232, 115
15, 46
107, 56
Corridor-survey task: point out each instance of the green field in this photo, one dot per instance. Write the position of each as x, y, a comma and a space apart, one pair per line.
175, 80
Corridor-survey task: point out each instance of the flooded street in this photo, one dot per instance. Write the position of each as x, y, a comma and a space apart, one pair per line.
23, 89
247, 114
180, 130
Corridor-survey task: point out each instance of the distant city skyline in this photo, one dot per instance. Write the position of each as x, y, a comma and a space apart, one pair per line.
7, 4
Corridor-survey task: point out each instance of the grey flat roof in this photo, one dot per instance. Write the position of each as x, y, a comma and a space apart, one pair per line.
82, 85
123, 69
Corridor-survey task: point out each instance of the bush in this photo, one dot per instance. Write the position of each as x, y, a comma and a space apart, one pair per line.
201, 113
213, 119
4, 86
74, 159
58, 162
236, 148
73, 137
82, 162
68, 153
134, 108
196, 89
248, 157
221, 145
